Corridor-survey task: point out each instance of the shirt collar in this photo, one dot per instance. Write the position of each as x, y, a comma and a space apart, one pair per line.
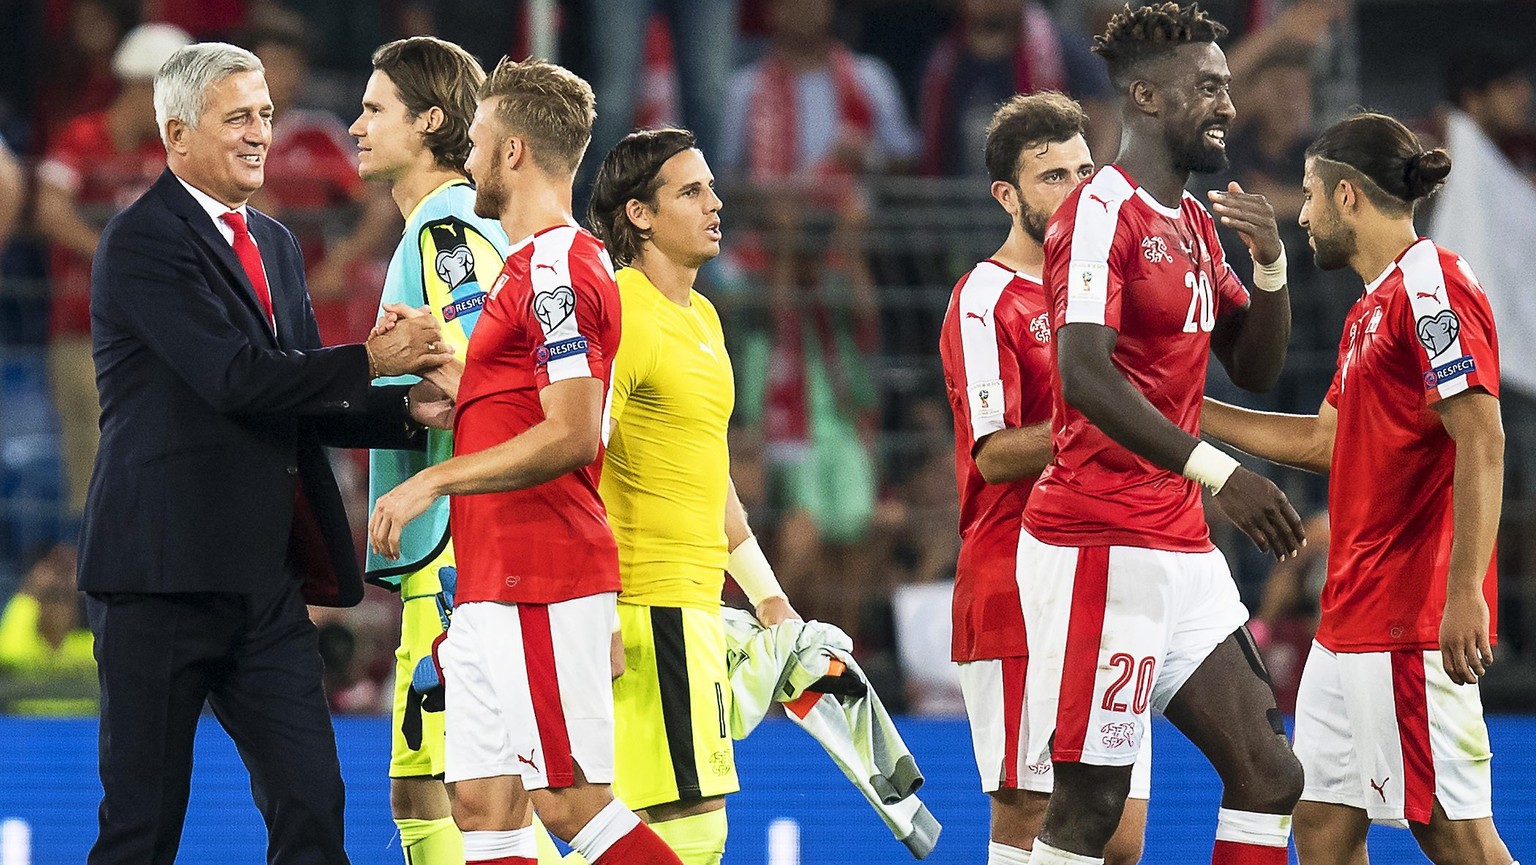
212, 206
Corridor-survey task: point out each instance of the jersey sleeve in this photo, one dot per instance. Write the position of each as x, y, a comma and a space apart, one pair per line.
568, 310
1096, 261
1452, 330
635, 359
989, 356
457, 264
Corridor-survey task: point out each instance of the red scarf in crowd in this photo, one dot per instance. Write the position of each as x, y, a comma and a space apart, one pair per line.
772, 116
1037, 65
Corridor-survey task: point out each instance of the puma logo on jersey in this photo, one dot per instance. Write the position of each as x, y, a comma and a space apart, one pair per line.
704, 347
545, 266
1381, 789
981, 318
1428, 295
1102, 203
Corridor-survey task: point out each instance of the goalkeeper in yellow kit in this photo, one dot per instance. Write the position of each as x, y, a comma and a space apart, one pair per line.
666, 484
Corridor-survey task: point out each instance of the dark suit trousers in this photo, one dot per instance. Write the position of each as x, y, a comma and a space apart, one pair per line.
255, 660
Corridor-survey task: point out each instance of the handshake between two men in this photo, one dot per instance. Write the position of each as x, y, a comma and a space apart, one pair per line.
408, 341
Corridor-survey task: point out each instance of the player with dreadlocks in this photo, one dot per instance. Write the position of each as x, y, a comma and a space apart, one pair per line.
1130, 608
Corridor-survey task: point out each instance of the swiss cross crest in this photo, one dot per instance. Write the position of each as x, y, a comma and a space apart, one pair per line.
1155, 249
1041, 327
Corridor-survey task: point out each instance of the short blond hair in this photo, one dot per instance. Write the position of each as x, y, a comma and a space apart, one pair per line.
548, 106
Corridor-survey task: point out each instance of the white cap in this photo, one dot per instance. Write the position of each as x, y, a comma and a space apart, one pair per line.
145, 49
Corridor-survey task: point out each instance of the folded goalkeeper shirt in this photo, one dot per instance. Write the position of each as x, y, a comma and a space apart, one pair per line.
778, 664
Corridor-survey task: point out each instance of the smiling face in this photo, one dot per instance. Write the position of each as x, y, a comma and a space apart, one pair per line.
389, 140
684, 223
225, 156
1047, 174
1197, 109
1333, 240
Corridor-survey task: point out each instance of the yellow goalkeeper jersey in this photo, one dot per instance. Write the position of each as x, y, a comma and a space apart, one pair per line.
667, 468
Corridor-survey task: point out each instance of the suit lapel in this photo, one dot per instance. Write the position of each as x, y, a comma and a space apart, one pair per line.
184, 205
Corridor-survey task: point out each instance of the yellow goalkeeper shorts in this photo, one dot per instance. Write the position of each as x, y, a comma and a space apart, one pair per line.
671, 707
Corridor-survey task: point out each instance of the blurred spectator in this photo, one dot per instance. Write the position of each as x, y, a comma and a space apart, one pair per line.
46, 661
312, 169
97, 164
357, 649
1288, 614
703, 42
1494, 89
811, 108
1274, 126
807, 388
917, 518
77, 75
999, 48
12, 193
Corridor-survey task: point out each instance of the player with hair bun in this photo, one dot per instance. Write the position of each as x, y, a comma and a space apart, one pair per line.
1389, 723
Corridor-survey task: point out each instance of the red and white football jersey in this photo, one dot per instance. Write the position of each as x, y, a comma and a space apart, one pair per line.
552, 314
995, 344
1116, 257
1423, 331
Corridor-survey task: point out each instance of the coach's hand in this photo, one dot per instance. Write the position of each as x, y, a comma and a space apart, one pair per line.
1257, 507
1252, 217
396, 508
411, 346
1464, 649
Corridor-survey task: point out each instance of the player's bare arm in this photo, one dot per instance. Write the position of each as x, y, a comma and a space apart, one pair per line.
1091, 384
1251, 343
1013, 453
749, 567
1472, 420
1301, 441
567, 439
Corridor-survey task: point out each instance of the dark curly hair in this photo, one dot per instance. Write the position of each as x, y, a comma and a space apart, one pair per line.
1134, 36
1028, 121
1396, 169
631, 172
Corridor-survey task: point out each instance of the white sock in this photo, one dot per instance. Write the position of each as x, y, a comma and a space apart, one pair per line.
1004, 854
1253, 828
1045, 854
604, 830
481, 845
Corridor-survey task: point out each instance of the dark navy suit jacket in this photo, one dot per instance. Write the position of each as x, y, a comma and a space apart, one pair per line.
211, 475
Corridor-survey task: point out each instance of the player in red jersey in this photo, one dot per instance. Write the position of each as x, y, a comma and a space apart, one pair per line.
529, 704
1129, 608
995, 344
1389, 725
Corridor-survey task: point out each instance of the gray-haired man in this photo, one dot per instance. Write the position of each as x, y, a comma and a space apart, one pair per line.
213, 515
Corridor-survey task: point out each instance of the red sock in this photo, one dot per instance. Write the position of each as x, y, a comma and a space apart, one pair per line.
639, 846
1238, 853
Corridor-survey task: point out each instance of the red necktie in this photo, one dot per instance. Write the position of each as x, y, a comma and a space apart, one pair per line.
250, 259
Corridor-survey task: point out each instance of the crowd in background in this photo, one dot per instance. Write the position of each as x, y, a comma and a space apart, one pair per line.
847, 140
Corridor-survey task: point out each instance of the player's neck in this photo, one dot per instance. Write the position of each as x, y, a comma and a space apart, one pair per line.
672, 278
1151, 166
1380, 245
534, 208
1021, 253
413, 186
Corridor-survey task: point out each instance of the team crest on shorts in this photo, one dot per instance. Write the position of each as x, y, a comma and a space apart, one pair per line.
1121, 734
720, 763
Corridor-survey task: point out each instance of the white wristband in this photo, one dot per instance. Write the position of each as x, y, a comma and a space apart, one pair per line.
1270, 277
750, 569
1209, 466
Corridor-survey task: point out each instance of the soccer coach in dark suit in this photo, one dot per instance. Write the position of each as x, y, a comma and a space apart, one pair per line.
213, 514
